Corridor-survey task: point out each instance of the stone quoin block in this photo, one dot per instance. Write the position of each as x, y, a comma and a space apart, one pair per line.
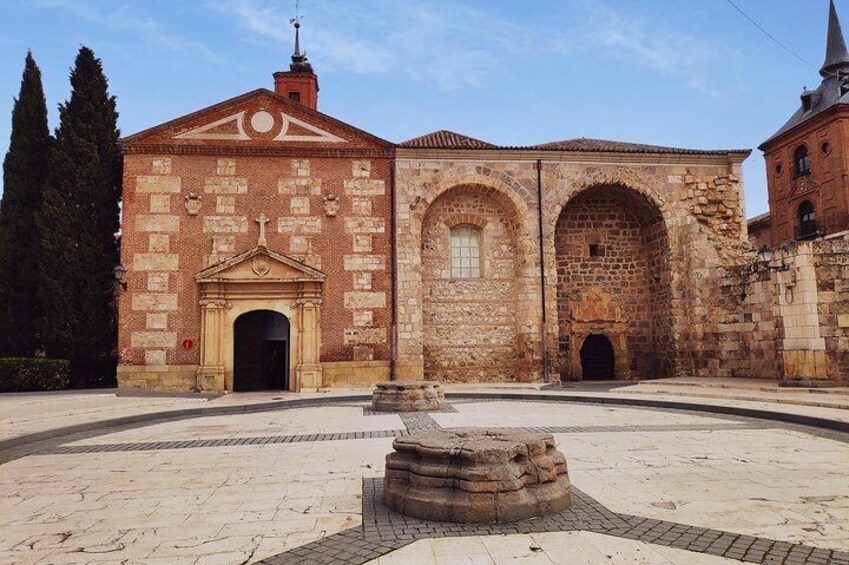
157, 183
365, 300
225, 185
156, 223
225, 224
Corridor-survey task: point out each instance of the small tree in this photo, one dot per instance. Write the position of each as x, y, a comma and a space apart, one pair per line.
25, 171
78, 225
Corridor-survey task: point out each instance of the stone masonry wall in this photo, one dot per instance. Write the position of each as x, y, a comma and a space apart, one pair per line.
470, 324
615, 292
696, 234
703, 233
505, 193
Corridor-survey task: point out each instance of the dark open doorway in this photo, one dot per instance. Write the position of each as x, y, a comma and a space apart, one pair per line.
261, 351
597, 359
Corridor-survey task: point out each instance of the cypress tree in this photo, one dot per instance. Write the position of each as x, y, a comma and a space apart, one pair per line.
25, 170
78, 225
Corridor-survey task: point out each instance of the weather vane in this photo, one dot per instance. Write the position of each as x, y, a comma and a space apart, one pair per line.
298, 16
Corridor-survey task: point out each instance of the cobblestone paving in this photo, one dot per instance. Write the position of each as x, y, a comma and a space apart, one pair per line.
383, 531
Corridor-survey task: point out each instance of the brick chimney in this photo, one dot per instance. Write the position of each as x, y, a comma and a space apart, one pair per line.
299, 83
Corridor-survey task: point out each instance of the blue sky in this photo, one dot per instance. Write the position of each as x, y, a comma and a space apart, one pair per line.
689, 73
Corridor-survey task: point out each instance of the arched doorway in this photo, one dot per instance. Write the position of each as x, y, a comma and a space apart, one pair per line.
612, 269
261, 351
598, 362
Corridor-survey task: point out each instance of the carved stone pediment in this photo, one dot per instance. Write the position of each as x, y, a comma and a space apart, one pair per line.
260, 265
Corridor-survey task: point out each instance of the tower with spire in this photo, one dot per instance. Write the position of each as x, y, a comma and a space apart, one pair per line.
299, 83
807, 159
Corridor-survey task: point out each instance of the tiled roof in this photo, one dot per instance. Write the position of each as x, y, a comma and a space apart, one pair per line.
758, 220
605, 146
444, 139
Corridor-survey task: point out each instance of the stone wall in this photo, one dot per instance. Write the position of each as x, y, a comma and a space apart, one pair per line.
793, 324
701, 235
610, 250
497, 316
471, 324
671, 322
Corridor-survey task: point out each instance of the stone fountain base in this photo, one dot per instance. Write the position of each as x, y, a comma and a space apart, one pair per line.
476, 475
408, 396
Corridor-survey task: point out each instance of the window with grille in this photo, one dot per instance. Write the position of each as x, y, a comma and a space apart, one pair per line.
465, 252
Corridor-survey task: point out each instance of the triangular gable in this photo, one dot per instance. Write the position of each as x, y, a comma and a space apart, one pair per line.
260, 264
258, 118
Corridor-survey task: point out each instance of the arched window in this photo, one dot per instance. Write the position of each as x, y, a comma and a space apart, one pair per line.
807, 219
802, 161
465, 252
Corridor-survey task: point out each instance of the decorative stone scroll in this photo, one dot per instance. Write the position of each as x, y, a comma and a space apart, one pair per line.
476, 475
407, 396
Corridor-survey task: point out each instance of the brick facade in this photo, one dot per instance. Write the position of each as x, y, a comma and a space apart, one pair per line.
826, 140
191, 202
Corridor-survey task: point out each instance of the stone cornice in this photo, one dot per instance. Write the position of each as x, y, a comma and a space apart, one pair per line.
255, 151
583, 157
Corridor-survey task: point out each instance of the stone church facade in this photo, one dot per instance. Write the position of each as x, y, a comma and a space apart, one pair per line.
270, 246
581, 241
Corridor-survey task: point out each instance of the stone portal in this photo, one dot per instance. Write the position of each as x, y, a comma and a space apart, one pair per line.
476, 475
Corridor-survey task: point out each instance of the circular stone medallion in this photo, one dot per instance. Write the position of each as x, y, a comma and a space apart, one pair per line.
262, 121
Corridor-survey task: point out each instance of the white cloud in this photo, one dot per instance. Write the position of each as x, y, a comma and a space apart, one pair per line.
442, 43
121, 16
666, 52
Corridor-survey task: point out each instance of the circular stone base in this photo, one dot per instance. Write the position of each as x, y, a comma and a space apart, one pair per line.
476, 475
407, 396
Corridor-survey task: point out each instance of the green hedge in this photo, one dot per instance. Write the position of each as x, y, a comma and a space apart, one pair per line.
19, 374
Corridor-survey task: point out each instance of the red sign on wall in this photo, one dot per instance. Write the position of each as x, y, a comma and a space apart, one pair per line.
188, 344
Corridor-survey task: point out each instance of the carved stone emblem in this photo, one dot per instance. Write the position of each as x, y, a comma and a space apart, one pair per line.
331, 205
193, 203
260, 265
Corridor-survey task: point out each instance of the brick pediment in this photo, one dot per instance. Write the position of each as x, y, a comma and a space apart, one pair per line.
259, 265
259, 120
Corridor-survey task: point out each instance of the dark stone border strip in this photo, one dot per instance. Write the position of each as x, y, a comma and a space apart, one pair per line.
414, 422
384, 531
226, 442
28, 444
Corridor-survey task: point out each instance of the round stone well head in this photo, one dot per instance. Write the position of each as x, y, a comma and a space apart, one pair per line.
407, 396
476, 475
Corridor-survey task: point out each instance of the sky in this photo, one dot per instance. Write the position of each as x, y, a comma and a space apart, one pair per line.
684, 73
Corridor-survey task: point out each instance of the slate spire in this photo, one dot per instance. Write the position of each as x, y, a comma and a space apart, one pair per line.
836, 55
299, 60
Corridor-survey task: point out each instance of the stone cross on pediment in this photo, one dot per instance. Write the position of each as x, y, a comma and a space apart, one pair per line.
262, 221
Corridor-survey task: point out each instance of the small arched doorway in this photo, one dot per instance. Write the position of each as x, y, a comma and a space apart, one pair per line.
597, 360
261, 351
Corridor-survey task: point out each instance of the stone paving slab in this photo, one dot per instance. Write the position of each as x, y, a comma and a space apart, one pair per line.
384, 530
252, 501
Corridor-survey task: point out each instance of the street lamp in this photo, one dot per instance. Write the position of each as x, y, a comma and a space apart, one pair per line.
765, 257
119, 273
